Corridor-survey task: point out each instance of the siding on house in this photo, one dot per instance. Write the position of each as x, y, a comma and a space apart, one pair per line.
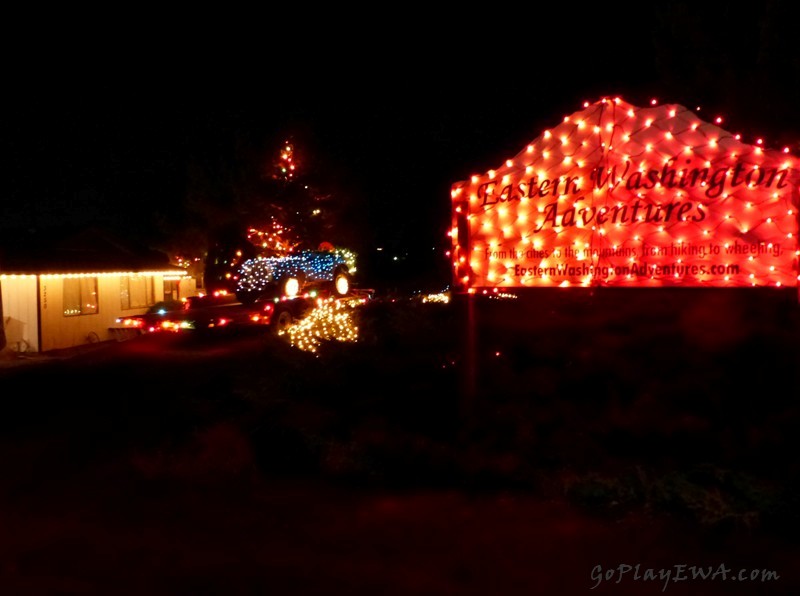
20, 319
60, 331
33, 325
34, 267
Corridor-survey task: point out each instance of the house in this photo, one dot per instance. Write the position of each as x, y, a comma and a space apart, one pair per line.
62, 288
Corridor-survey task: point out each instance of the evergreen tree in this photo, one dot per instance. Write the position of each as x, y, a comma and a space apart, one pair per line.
278, 208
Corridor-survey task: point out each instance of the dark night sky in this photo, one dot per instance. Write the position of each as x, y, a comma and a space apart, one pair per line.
400, 105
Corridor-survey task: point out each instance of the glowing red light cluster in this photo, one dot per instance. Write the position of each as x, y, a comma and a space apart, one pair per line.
619, 195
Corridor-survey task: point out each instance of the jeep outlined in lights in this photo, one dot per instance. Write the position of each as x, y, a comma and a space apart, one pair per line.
293, 274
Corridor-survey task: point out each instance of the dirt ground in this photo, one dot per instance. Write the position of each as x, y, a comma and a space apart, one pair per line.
103, 536
131, 469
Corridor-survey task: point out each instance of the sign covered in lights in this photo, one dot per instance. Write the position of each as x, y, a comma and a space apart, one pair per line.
618, 195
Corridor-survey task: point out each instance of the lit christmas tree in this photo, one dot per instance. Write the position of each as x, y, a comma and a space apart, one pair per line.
285, 167
281, 214
296, 214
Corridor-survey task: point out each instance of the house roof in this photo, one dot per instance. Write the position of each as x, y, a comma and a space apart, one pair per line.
82, 250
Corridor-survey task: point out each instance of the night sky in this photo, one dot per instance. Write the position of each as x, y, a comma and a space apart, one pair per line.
107, 126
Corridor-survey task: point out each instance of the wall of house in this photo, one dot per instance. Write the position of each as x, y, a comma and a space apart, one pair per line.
23, 315
59, 332
187, 287
19, 312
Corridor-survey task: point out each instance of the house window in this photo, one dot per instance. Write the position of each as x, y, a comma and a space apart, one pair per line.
80, 296
171, 289
136, 291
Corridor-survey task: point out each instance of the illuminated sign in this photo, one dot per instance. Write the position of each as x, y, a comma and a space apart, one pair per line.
618, 195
